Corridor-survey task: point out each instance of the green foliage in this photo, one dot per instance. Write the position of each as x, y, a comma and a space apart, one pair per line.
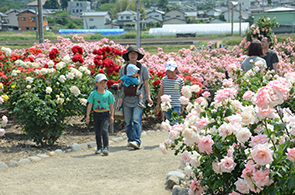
51, 4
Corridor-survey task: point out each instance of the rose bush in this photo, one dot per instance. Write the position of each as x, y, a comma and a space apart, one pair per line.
241, 143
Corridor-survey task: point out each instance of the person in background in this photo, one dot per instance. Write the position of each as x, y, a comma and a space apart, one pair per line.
270, 56
255, 54
101, 102
132, 112
171, 85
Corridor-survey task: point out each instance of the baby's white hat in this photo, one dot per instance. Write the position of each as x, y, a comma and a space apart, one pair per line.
131, 69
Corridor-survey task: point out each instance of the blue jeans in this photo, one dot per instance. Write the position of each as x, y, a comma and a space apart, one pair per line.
168, 114
133, 127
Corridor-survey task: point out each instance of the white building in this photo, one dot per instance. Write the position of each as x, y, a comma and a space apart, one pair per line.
96, 20
11, 16
245, 4
77, 7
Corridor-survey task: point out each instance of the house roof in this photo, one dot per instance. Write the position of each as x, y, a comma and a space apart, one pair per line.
88, 14
174, 18
3, 15
191, 14
176, 10
30, 10
127, 12
12, 10
281, 9
151, 11
152, 17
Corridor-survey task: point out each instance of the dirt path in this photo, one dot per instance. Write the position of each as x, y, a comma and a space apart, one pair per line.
124, 171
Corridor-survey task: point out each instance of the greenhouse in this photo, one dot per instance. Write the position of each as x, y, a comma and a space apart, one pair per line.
199, 29
102, 31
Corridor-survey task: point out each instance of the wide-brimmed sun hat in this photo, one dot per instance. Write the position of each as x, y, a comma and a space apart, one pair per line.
130, 49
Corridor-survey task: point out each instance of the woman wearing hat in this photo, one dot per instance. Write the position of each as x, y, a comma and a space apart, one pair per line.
132, 112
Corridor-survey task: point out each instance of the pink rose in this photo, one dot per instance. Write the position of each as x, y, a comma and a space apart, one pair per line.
261, 98
265, 113
166, 98
242, 186
261, 178
173, 135
195, 187
183, 100
185, 157
248, 171
234, 193
224, 94
291, 154
258, 139
2, 132
205, 144
248, 95
262, 154
162, 148
206, 94
201, 123
227, 164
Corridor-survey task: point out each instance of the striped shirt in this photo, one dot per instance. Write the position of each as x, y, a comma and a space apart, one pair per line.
173, 87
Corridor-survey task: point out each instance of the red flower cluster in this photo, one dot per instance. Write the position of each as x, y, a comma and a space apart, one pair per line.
78, 58
33, 51
110, 83
77, 49
53, 54
195, 81
103, 60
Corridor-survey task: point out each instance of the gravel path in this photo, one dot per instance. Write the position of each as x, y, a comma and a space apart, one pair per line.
124, 171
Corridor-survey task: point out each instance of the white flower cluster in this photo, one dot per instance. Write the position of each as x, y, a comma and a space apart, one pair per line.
30, 79
83, 101
6, 50
48, 90
15, 72
60, 65
85, 70
62, 78
67, 59
75, 90
74, 73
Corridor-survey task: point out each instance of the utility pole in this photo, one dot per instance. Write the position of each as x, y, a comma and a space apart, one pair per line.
36, 21
138, 25
232, 20
40, 20
240, 29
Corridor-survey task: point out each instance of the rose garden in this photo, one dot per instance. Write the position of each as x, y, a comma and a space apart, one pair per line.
237, 135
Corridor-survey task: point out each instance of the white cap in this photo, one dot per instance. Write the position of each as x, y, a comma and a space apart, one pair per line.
100, 77
171, 65
131, 69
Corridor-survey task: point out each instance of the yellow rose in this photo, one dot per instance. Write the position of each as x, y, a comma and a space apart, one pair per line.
5, 97
1, 85
12, 86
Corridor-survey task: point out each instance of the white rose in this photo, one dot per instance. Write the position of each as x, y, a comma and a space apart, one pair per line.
62, 78
83, 101
60, 65
75, 90
67, 59
70, 75
30, 79
35, 65
247, 118
243, 135
50, 64
43, 71
165, 106
60, 100
186, 91
28, 86
195, 88
48, 90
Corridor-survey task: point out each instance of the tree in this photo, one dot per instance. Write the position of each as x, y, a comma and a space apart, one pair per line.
51, 4
4, 9
64, 4
107, 7
162, 3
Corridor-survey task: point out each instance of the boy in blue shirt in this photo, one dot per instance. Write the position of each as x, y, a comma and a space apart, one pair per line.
131, 78
101, 102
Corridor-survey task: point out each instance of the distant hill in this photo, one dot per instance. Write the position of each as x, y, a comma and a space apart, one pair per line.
13, 4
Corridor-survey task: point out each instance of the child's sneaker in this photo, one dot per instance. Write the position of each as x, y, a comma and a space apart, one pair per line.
99, 151
141, 104
105, 151
119, 107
